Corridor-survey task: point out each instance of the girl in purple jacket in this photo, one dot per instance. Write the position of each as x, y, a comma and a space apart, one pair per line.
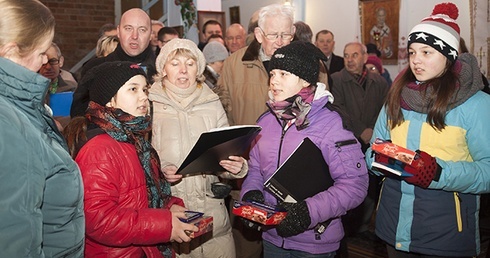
300, 107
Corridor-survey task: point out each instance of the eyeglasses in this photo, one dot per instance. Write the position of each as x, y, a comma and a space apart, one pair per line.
53, 61
284, 36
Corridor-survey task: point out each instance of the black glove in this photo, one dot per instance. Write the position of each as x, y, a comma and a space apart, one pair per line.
256, 196
297, 219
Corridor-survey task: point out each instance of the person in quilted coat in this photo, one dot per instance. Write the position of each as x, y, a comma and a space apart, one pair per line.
128, 207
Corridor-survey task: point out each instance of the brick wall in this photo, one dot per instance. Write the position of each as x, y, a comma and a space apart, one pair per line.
77, 25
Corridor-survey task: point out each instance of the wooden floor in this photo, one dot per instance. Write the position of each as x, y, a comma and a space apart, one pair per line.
368, 245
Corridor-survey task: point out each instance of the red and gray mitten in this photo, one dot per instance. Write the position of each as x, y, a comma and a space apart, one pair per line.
424, 169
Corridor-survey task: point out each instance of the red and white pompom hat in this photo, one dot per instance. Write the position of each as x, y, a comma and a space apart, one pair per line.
439, 31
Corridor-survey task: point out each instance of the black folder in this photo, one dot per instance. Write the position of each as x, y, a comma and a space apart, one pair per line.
304, 174
217, 145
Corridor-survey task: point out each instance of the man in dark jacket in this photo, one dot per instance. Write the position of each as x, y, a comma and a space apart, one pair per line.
134, 32
324, 40
361, 95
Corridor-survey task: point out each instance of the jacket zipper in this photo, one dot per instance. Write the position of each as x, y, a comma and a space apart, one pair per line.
457, 202
280, 147
283, 133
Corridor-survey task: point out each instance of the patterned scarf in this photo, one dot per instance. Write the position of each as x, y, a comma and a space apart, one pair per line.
470, 82
295, 107
53, 86
361, 78
124, 127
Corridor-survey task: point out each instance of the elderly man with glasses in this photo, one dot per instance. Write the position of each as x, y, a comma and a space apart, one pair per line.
61, 80
245, 73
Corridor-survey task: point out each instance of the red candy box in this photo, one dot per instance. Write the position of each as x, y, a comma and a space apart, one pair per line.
258, 212
204, 223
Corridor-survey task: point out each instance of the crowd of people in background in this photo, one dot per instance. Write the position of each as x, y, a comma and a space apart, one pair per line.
102, 181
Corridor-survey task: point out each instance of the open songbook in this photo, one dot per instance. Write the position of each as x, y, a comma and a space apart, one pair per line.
216, 145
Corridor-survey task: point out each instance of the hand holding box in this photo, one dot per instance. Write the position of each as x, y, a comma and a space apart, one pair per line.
203, 223
260, 213
416, 167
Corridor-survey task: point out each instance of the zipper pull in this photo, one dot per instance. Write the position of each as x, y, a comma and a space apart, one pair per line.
345, 143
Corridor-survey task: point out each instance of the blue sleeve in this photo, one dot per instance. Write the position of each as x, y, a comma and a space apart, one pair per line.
470, 176
380, 131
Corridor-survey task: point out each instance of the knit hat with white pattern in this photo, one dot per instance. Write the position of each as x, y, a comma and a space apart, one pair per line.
439, 31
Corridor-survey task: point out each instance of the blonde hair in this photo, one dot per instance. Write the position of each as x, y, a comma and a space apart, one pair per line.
26, 22
106, 45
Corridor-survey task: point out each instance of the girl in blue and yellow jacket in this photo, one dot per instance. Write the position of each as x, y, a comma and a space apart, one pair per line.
437, 108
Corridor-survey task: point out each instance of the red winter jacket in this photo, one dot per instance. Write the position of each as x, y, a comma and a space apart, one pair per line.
118, 220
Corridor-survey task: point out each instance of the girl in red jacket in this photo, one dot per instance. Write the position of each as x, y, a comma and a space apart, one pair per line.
128, 207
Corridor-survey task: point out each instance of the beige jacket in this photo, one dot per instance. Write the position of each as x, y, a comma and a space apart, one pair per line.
247, 81
175, 131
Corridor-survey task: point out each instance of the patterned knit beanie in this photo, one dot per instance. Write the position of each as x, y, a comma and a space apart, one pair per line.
299, 58
175, 44
105, 79
439, 31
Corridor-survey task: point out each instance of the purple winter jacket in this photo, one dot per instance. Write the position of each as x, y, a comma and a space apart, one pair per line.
347, 168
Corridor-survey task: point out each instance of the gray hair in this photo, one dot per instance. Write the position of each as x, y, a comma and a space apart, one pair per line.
275, 10
58, 51
363, 47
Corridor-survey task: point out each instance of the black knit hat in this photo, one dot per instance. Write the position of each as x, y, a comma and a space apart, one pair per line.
105, 79
299, 58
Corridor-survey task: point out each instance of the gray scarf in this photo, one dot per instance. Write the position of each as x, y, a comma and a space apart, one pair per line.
469, 83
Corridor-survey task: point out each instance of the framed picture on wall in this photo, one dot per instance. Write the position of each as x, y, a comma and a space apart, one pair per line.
379, 25
234, 14
204, 16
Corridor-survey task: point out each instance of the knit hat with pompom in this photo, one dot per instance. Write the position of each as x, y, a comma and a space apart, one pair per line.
439, 31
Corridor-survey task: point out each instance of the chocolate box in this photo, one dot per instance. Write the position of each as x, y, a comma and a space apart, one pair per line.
260, 213
394, 151
204, 223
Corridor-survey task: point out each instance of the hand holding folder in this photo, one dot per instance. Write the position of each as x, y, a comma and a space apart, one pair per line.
303, 174
217, 145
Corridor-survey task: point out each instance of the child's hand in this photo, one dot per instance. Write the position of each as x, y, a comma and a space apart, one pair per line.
181, 230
